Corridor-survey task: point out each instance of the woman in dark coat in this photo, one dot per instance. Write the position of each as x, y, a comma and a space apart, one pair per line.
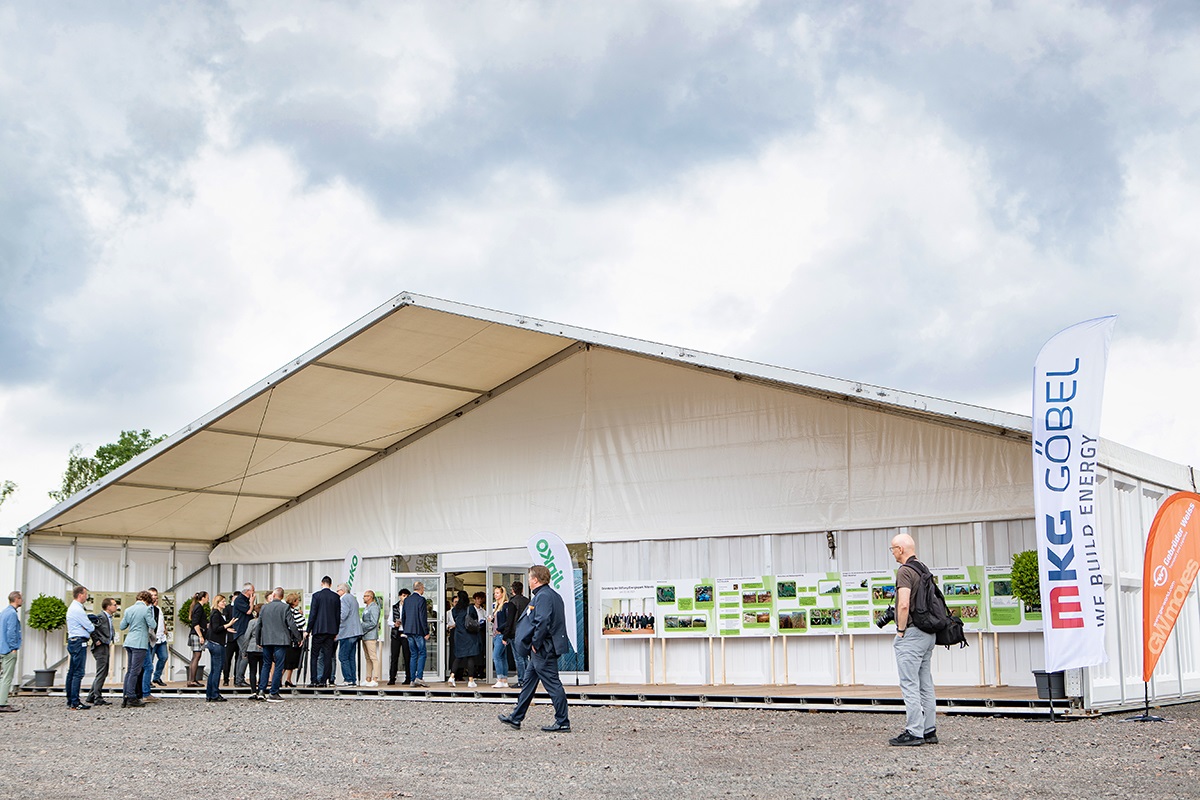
466, 643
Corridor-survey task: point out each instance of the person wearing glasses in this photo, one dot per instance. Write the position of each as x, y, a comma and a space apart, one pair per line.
914, 652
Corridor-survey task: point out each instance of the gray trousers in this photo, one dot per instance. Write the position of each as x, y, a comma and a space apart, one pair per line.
100, 654
242, 662
914, 651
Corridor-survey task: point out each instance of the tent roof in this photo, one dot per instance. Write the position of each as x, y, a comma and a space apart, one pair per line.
409, 367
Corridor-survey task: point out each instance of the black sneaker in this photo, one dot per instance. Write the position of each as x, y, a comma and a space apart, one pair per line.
257, 696
906, 739
931, 736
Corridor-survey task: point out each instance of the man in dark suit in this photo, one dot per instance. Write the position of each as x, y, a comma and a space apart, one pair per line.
542, 633
242, 603
399, 641
324, 617
416, 629
101, 646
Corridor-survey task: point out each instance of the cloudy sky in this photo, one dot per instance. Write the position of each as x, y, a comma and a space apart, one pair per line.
911, 194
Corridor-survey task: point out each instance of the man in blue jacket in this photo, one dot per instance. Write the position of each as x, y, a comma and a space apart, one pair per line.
10, 643
324, 619
542, 634
415, 624
241, 621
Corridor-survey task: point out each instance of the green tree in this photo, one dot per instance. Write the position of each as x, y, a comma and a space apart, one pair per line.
83, 471
6, 488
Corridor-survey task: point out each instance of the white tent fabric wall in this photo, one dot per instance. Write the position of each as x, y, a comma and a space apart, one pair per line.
107, 566
607, 446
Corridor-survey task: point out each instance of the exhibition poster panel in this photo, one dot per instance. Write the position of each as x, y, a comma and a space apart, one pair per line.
809, 603
867, 595
1007, 614
627, 610
166, 604
963, 589
745, 606
686, 607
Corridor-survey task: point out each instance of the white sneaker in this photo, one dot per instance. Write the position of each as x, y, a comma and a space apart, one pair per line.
471, 684
371, 684
500, 685
451, 681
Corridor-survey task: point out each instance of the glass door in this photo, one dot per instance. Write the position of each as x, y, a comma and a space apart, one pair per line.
437, 622
505, 576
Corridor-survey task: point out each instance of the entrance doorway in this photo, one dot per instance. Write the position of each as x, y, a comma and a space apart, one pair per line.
433, 600
472, 582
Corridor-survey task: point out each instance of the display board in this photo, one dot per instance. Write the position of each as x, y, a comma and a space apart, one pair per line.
746, 606
963, 589
686, 607
1005, 613
808, 603
866, 596
627, 610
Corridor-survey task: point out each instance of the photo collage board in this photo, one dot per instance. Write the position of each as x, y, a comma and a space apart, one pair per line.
686, 607
804, 604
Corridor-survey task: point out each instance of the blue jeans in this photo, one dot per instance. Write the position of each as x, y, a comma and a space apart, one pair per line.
416, 662
216, 653
77, 650
347, 651
521, 662
135, 662
271, 654
158, 651
500, 656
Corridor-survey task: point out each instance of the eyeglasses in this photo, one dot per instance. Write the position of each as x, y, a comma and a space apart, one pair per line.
895, 547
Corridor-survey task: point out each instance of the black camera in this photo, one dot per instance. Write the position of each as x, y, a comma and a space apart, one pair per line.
888, 615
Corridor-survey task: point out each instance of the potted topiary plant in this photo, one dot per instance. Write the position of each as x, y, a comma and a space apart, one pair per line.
46, 614
1027, 588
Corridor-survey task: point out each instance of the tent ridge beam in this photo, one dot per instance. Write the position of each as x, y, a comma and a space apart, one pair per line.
542, 366
185, 490
294, 440
401, 378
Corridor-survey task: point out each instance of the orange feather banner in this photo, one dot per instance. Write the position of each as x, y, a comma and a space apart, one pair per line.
1172, 562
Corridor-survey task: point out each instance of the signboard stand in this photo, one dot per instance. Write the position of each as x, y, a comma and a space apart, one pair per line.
837, 653
982, 662
712, 672
996, 650
853, 681
653, 676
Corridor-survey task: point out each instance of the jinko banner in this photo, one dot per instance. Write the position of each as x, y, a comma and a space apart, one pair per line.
549, 549
1172, 561
1068, 390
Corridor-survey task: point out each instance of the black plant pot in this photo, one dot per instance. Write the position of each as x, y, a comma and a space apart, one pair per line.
1050, 685
43, 678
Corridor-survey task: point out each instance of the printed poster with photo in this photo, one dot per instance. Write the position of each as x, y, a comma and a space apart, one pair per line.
963, 589
1005, 613
745, 606
866, 596
627, 610
686, 607
808, 603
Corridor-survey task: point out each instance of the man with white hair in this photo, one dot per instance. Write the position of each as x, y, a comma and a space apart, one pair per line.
348, 636
242, 603
914, 652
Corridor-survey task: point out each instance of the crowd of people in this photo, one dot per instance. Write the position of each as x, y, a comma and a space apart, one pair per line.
260, 645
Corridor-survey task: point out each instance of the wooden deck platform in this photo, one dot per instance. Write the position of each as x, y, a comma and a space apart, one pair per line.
1006, 701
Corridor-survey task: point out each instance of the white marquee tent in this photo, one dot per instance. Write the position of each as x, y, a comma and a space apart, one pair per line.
430, 427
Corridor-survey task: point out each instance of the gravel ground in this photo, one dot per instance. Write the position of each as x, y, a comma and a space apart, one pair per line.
315, 748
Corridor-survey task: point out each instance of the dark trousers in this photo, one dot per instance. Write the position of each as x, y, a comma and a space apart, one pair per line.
255, 662
463, 667
272, 654
228, 654
135, 662
320, 668
77, 650
400, 649
544, 669
100, 654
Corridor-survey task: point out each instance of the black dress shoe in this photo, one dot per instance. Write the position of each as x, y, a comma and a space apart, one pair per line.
79, 707
392, 682
510, 722
101, 702
132, 703
159, 683
556, 728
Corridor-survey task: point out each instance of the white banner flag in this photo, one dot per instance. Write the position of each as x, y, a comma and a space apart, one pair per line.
1068, 390
549, 549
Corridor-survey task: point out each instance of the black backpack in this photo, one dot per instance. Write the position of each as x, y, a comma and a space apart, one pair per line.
928, 611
